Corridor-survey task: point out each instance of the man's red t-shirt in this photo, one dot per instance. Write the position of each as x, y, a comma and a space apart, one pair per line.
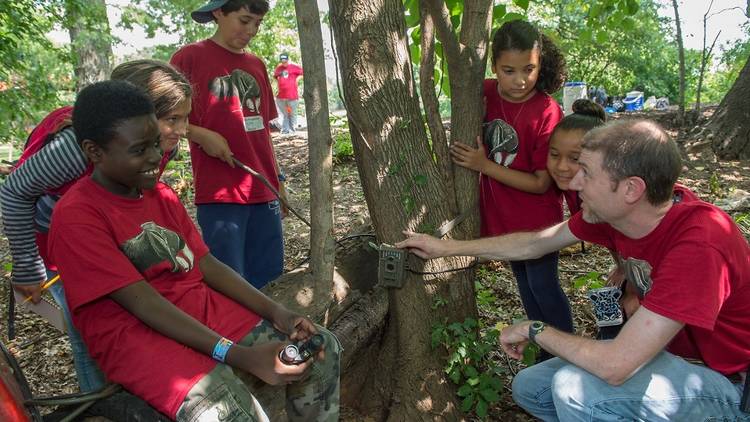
103, 242
232, 96
698, 265
504, 209
287, 75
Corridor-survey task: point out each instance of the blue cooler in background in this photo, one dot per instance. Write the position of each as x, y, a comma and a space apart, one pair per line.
633, 101
573, 91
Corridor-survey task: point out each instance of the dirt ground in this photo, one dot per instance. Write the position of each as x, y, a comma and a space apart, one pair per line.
44, 353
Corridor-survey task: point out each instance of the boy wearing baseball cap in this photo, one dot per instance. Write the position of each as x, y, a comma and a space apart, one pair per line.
233, 104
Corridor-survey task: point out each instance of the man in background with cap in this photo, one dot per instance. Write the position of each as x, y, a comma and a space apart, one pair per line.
286, 75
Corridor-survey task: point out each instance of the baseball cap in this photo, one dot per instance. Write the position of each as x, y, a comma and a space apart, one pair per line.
203, 14
284, 56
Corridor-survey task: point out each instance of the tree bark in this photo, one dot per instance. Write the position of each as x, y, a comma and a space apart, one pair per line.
730, 124
403, 190
90, 40
320, 146
681, 55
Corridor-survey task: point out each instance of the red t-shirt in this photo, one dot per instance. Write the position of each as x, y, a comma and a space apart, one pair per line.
287, 75
102, 242
504, 209
232, 96
699, 274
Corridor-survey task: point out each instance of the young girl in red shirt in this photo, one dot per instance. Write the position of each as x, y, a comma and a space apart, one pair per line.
516, 192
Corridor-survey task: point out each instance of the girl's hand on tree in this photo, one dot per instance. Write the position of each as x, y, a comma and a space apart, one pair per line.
471, 158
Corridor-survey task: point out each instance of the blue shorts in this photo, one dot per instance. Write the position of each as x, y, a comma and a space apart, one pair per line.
246, 237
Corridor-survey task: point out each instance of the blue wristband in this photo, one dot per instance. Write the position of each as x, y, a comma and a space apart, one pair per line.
221, 349
282, 176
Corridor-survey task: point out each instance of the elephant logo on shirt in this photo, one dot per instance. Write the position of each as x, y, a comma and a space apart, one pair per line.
154, 244
501, 142
238, 84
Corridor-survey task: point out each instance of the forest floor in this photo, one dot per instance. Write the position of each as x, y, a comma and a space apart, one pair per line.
44, 353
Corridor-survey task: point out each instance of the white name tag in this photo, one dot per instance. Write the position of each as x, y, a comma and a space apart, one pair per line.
253, 123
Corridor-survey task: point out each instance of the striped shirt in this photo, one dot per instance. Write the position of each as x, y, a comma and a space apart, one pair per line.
27, 206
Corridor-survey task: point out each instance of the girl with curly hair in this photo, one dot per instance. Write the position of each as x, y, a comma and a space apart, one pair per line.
516, 190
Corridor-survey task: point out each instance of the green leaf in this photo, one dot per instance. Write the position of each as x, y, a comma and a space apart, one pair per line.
602, 37
523, 4
465, 390
498, 12
628, 23
455, 376
412, 15
489, 395
482, 408
514, 17
634, 6
415, 52
471, 372
472, 381
467, 403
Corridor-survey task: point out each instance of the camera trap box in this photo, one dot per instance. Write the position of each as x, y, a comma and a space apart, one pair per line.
391, 266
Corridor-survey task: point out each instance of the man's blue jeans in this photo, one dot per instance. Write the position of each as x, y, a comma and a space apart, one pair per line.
288, 112
666, 389
90, 377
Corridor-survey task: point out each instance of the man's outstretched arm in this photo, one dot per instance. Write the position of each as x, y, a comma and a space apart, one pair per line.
512, 247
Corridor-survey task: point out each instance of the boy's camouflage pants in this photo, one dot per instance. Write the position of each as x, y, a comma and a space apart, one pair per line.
223, 396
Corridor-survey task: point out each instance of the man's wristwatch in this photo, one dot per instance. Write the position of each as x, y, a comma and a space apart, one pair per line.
535, 328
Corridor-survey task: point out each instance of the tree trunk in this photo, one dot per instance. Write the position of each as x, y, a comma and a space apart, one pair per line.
90, 40
730, 124
320, 145
681, 54
404, 190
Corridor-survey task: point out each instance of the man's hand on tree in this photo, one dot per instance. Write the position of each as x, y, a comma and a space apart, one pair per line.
422, 245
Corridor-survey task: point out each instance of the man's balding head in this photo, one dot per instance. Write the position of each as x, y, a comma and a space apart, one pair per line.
638, 148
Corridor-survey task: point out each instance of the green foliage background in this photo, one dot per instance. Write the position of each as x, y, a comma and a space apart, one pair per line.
620, 45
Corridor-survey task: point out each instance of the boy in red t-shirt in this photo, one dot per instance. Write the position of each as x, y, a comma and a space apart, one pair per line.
233, 105
159, 314
286, 75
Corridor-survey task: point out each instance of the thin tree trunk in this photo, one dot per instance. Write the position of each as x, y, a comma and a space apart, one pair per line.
681, 54
90, 40
705, 57
320, 145
431, 102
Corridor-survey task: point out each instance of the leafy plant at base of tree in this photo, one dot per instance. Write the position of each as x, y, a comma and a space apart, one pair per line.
592, 280
468, 364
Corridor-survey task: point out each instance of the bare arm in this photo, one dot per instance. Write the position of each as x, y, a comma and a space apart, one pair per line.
212, 143
224, 280
146, 304
476, 159
643, 336
513, 246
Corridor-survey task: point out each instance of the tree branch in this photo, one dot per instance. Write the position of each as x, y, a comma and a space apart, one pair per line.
430, 100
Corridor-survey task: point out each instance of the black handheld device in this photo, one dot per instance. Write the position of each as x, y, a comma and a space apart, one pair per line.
295, 355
